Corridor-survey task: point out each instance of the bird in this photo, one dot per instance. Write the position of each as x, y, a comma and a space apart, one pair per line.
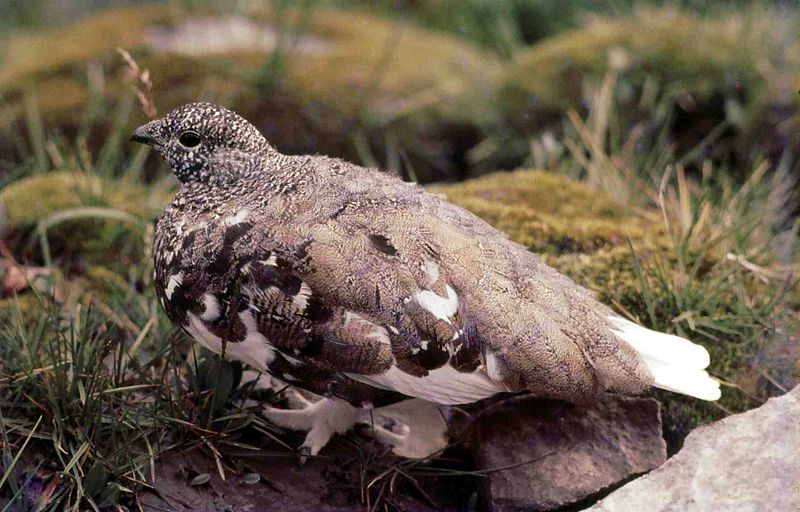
360, 290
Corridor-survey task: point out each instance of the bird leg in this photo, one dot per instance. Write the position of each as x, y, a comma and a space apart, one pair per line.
413, 428
322, 418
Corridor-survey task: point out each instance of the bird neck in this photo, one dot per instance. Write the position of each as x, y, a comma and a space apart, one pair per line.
237, 175
225, 168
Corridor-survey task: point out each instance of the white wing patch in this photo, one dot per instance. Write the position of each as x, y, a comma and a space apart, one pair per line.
271, 261
240, 217
431, 270
444, 385
300, 300
495, 367
254, 350
174, 281
212, 311
440, 307
256, 338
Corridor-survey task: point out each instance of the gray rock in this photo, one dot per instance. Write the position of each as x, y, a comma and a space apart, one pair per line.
746, 462
555, 453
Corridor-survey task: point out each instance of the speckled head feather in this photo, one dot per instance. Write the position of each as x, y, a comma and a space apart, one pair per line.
196, 140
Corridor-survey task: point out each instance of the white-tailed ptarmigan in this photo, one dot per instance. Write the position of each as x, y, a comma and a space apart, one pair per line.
355, 286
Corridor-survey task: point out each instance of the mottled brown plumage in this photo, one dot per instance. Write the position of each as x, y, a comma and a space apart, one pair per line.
353, 284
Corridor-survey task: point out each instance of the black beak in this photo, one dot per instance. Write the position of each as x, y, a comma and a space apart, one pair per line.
146, 134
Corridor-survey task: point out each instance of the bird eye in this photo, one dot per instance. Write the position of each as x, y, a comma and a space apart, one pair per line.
190, 139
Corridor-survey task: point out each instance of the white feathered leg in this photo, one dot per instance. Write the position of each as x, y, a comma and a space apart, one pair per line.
676, 363
413, 428
321, 417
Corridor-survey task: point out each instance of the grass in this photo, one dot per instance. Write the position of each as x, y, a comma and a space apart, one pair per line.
504, 27
105, 402
729, 276
96, 386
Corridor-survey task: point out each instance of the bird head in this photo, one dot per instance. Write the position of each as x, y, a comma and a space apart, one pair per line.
204, 142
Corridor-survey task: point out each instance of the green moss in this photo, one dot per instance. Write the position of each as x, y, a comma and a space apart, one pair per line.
346, 70
41, 53
29, 200
32, 199
105, 281
88, 237
698, 55
577, 230
392, 69
28, 307
53, 64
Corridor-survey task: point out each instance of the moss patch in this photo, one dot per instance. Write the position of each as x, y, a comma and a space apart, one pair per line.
41, 53
392, 69
400, 83
577, 230
708, 70
676, 46
27, 306
86, 238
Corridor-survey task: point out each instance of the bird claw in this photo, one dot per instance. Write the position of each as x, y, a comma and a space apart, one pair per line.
413, 428
388, 430
305, 452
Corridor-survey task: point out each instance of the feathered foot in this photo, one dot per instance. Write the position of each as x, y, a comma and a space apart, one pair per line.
322, 418
413, 428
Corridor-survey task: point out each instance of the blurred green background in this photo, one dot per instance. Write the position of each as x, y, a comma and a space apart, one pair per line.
653, 146
439, 90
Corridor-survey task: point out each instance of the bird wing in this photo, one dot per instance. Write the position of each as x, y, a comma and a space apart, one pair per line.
411, 352
467, 312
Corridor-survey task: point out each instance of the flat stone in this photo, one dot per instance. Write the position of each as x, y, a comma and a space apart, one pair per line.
745, 462
542, 455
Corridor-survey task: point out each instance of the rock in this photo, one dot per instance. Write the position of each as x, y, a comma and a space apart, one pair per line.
745, 462
554, 454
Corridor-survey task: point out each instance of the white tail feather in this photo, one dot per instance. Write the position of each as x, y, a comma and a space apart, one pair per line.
677, 364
